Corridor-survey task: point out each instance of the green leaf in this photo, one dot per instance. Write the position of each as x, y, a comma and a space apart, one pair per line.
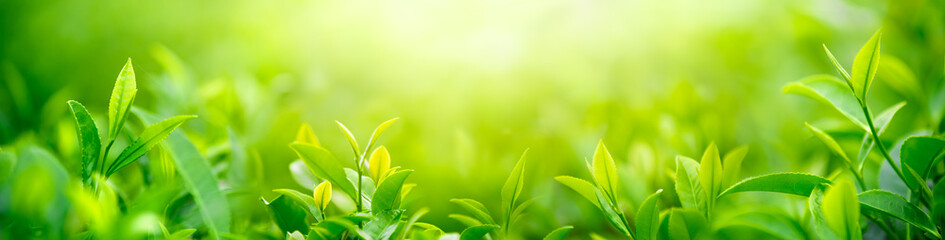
477, 209
776, 224
865, 65
897, 75
402, 231
89, 141
921, 153
581, 186
688, 187
830, 91
882, 120
897, 206
351, 139
288, 215
387, 191
324, 165
198, 178
308, 201
465, 220
938, 203
830, 142
605, 171
732, 164
842, 211
559, 233
150, 137
384, 224
800, 184
123, 95
648, 217
513, 187
836, 64
377, 132
815, 204
477, 232
710, 174
686, 224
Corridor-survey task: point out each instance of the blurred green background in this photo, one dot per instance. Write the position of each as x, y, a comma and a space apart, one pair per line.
475, 83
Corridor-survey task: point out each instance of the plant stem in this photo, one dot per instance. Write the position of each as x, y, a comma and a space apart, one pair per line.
882, 148
859, 177
105, 157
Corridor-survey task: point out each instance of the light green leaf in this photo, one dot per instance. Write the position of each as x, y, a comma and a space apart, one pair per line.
840, 69
306, 135
377, 132
322, 195
384, 224
815, 204
688, 187
710, 174
897, 75
865, 65
581, 186
387, 191
830, 142
288, 215
776, 224
513, 187
882, 120
465, 220
379, 163
477, 209
605, 171
150, 137
401, 232
89, 141
897, 206
123, 95
732, 164
686, 224
559, 233
830, 91
324, 165
199, 180
800, 184
648, 217
842, 211
477, 232
351, 139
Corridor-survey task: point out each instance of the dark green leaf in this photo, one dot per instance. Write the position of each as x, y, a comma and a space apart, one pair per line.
477, 232
288, 215
896, 206
387, 191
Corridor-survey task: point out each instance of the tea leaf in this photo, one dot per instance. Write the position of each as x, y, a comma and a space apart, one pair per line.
829, 141
897, 75
513, 186
778, 225
325, 166
800, 184
198, 178
89, 140
465, 220
308, 201
831, 91
306, 135
150, 137
322, 195
401, 232
897, 206
732, 164
605, 171
288, 215
123, 95
921, 153
815, 204
882, 120
710, 174
836, 64
584, 188
387, 191
938, 203
477, 232
377, 132
351, 139
648, 217
477, 209
379, 163
842, 211
559, 233
688, 186
865, 65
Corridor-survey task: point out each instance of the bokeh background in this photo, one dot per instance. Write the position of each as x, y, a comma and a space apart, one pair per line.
475, 83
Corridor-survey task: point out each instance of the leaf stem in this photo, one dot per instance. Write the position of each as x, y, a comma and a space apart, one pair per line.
882, 148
